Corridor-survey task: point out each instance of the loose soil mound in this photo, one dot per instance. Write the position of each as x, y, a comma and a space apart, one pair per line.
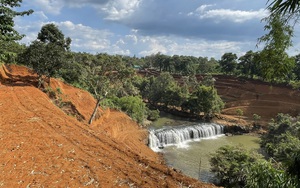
42, 146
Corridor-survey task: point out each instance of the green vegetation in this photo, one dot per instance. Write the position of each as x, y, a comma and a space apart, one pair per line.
231, 165
236, 167
113, 82
8, 35
239, 112
275, 62
7, 7
47, 54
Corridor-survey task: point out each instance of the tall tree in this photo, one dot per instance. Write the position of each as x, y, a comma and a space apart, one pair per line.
228, 63
47, 54
248, 64
44, 59
276, 64
7, 14
105, 75
51, 34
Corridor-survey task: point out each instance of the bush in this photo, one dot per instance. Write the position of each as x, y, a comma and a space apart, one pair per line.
264, 174
231, 165
153, 114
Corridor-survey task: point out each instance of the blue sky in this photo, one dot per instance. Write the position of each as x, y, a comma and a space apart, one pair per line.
207, 28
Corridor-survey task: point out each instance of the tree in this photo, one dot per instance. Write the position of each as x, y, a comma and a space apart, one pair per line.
256, 118
264, 174
206, 66
9, 51
133, 106
44, 59
104, 76
248, 65
296, 70
275, 62
163, 89
231, 165
47, 54
204, 99
51, 34
288, 8
7, 14
228, 63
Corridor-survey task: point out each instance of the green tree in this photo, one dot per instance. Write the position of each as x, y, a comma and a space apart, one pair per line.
7, 15
248, 65
288, 8
206, 66
133, 106
44, 59
296, 70
228, 63
264, 174
105, 75
275, 62
9, 51
160, 89
204, 99
231, 165
47, 54
51, 34
256, 118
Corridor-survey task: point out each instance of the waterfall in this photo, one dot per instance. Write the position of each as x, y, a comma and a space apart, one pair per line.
160, 138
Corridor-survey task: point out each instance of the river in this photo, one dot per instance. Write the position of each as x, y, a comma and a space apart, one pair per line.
192, 157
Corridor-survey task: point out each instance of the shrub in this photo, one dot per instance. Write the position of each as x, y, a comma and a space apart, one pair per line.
231, 165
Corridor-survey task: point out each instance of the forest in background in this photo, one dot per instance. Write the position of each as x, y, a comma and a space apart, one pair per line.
113, 81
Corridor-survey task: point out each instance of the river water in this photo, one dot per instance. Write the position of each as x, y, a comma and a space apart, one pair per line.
192, 157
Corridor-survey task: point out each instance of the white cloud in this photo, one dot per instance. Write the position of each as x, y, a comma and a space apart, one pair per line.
237, 16
86, 38
119, 9
49, 6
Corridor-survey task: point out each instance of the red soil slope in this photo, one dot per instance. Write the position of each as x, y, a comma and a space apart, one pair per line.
42, 146
256, 97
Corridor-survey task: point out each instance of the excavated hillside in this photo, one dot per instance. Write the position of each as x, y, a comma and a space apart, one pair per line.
46, 142
256, 97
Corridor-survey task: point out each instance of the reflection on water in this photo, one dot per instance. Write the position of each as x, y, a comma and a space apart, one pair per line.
194, 157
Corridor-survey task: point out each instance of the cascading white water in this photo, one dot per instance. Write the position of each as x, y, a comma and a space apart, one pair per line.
160, 138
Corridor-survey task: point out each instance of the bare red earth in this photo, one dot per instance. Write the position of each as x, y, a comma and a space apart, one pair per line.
42, 146
255, 97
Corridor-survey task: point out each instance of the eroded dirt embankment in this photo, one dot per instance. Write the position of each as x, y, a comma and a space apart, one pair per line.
255, 97
42, 146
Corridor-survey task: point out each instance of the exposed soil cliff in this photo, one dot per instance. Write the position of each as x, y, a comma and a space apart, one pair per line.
43, 145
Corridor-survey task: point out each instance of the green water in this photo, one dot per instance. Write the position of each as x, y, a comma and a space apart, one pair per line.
189, 157
195, 154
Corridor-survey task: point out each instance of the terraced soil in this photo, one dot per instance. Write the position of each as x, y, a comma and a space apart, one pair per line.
256, 97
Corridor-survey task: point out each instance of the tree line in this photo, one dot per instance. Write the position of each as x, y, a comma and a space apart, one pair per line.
109, 76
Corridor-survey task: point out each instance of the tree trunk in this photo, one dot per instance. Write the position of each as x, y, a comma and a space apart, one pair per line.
95, 111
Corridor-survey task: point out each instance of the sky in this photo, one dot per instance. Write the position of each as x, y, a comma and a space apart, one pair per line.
206, 28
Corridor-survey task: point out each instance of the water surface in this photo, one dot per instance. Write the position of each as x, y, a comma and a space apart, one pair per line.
194, 156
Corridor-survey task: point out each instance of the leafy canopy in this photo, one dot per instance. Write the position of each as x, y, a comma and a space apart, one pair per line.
7, 14
275, 62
